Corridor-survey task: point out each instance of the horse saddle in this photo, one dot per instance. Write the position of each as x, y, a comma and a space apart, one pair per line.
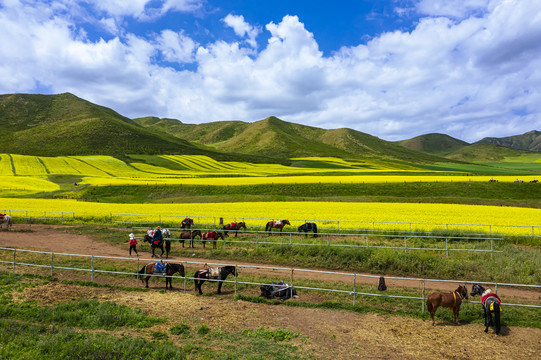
277, 223
233, 224
160, 268
309, 226
210, 235
214, 272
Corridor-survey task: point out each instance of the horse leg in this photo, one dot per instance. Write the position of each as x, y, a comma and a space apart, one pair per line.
214, 244
488, 317
220, 287
497, 324
431, 310
146, 281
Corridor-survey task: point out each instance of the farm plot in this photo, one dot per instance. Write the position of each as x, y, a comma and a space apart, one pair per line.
28, 165
5, 165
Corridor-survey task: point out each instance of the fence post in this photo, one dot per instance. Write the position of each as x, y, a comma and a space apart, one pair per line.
354, 287
52, 264
92, 266
496, 288
338, 225
137, 273
14, 252
185, 272
62, 218
366, 241
446, 248
328, 244
405, 245
491, 249
291, 291
236, 275
423, 296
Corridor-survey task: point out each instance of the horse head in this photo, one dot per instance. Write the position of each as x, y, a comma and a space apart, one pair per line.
463, 291
241, 225
286, 222
301, 228
477, 290
196, 233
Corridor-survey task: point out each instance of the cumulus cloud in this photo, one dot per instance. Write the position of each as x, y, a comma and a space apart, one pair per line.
469, 74
144, 9
242, 28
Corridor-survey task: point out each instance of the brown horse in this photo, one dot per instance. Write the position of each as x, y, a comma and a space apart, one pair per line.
234, 226
189, 235
211, 236
276, 225
452, 300
170, 269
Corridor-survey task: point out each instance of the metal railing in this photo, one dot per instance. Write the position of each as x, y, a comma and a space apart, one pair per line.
356, 240
36, 215
334, 225
351, 292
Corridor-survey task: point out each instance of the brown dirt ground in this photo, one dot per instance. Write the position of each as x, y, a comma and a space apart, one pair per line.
330, 333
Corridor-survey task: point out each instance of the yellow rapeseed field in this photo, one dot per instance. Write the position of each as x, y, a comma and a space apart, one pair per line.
381, 216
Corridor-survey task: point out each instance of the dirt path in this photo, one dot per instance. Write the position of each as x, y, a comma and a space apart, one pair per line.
55, 239
330, 333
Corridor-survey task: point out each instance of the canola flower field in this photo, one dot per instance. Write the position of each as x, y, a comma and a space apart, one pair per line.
385, 216
24, 175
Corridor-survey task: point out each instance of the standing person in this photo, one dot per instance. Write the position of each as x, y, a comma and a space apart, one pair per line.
158, 236
133, 244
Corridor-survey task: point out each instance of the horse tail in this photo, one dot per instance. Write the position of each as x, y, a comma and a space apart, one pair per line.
267, 227
497, 316
429, 305
143, 270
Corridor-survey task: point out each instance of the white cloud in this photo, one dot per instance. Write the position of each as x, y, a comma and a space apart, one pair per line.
470, 77
144, 9
242, 28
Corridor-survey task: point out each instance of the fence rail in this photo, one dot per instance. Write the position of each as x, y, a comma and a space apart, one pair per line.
353, 240
352, 292
335, 225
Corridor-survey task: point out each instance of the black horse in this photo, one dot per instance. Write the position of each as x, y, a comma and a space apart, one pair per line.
491, 304
186, 223
234, 226
308, 226
277, 225
189, 235
219, 274
170, 269
158, 244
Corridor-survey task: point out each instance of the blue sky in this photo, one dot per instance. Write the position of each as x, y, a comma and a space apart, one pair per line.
391, 68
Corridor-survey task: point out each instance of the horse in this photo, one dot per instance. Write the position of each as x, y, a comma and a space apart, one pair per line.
149, 237
5, 218
189, 235
452, 300
219, 273
277, 225
234, 226
308, 226
534, 181
280, 291
211, 236
186, 223
170, 269
491, 304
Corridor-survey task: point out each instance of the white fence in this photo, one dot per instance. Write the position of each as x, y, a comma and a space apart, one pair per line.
93, 270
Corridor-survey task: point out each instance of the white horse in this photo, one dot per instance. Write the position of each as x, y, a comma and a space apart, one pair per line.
6, 219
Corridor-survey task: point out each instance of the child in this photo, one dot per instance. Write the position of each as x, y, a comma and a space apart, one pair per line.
133, 244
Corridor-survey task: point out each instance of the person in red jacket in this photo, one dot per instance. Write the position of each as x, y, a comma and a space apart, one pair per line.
133, 244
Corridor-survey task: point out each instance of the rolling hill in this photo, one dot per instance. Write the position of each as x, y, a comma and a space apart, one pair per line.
281, 139
435, 143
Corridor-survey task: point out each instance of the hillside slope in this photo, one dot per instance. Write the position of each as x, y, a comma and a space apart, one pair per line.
64, 124
528, 141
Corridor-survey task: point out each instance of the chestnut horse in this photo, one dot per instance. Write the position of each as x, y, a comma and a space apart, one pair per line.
219, 274
189, 235
277, 225
211, 236
170, 269
234, 226
452, 300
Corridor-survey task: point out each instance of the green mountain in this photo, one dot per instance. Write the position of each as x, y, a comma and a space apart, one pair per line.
436, 144
527, 141
280, 139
